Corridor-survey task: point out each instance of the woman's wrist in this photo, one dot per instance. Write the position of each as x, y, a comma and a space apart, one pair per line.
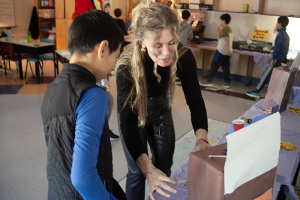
149, 172
203, 140
144, 163
201, 134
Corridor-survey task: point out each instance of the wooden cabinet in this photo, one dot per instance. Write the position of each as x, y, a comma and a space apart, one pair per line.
69, 8
68, 24
64, 11
60, 9
60, 34
62, 31
132, 4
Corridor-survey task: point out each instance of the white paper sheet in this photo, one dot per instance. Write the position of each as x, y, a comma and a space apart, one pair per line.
296, 63
251, 152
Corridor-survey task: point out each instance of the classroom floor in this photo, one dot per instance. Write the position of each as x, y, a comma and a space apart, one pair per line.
22, 143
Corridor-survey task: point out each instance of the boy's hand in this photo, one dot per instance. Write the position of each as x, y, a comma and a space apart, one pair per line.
219, 29
229, 53
105, 89
271, 63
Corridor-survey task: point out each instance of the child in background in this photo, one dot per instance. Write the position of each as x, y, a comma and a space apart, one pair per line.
223, 53
280, 52
105, 85
128, 23
185, 32
185, 35
120, 22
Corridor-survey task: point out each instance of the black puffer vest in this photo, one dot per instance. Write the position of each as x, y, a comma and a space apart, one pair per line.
58, 113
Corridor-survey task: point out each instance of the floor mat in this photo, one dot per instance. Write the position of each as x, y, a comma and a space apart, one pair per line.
227, 92
35, 80
10, 89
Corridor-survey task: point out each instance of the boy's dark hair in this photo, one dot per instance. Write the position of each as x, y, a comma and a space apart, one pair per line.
283, 20
226, 17
118, 12
185, 14
91, 28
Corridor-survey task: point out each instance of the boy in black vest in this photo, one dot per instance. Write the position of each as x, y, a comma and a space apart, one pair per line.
79, 158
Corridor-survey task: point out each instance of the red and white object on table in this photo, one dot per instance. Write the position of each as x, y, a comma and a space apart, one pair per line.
238, 124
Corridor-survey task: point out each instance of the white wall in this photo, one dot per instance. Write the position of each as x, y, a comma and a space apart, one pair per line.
243, 25
23, 10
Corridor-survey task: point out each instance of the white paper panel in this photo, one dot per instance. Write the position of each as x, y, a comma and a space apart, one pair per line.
252, 151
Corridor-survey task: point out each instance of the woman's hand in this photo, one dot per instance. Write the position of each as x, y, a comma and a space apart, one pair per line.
201, 135
156, 180
201, 145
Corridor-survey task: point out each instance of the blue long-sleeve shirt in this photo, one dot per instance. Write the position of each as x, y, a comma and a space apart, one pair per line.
282, 43
90, 119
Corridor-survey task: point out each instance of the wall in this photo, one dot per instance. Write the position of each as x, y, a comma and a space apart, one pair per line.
242, 26
23, 10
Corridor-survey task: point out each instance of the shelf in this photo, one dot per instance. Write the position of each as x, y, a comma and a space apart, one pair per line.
235, 12
47, 18
46, 7
260, 7
281, 15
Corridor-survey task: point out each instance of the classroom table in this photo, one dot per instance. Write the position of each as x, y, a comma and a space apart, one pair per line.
35, 48
260, 58
62, 56
288, 166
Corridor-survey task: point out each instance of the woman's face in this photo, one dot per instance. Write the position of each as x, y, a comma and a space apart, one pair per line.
164, 49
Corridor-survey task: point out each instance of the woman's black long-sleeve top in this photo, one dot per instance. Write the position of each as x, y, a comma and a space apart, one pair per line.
187, 69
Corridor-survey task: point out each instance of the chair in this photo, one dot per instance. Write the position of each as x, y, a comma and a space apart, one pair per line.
42, 57
7, 54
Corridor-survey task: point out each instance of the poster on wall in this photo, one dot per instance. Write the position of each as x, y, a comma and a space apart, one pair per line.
7, 13
260, 34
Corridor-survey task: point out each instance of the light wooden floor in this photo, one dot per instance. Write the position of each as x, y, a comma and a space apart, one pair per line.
27, 88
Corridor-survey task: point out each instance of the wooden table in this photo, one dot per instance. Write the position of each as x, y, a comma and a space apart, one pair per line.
211, 46
288, 166
35, 48
63, 56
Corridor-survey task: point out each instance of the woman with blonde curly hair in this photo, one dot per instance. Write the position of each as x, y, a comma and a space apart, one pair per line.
146, 73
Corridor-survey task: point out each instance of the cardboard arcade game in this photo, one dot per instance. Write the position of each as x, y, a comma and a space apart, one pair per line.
249, 170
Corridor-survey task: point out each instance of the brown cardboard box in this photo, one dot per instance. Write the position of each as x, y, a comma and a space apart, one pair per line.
206, 178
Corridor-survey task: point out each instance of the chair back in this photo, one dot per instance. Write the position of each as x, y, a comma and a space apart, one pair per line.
7, 49
47, 40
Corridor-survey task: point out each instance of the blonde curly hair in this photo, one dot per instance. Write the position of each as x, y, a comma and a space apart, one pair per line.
147, 16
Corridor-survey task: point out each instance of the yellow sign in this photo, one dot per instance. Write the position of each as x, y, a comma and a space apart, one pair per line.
260, 34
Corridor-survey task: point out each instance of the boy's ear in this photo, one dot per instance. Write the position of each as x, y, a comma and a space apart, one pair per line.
102, 49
